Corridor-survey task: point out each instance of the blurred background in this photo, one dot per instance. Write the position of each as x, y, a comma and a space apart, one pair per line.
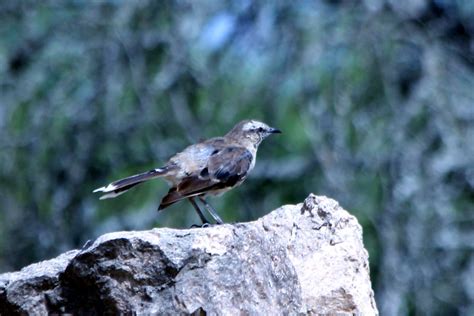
375, 99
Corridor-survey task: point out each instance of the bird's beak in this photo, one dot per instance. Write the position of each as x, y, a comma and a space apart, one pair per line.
274, 131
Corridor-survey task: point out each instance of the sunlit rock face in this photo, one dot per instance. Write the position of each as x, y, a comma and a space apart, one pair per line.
306, 258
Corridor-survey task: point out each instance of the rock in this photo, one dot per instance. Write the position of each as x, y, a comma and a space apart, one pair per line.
27, 290
299, 259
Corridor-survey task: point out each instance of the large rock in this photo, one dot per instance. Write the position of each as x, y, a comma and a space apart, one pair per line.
307, 258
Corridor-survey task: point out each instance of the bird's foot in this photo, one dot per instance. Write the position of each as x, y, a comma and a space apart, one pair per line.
205, 225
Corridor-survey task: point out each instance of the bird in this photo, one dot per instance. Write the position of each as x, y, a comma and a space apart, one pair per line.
210, 167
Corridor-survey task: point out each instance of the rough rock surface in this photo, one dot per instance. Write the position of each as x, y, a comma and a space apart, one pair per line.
299, 259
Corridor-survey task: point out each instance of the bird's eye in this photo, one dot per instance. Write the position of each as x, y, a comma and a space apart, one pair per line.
260, 129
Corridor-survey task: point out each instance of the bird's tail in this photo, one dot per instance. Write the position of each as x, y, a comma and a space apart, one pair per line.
121, 186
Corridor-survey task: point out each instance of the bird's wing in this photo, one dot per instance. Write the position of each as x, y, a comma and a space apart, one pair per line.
229, 165
225, 168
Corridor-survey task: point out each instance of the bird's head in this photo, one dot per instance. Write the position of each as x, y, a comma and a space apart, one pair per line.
251, 131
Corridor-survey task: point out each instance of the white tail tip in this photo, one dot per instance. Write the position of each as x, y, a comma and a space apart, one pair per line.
111, 195
106, 189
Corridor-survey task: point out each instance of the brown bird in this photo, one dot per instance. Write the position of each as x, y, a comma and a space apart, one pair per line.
211, 167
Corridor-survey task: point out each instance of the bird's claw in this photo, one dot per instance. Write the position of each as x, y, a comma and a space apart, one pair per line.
204, 225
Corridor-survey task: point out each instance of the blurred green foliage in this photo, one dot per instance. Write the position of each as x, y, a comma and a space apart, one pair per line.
375, 99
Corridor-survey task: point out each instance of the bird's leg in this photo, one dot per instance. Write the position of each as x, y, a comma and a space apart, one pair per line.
198, 211
211, 210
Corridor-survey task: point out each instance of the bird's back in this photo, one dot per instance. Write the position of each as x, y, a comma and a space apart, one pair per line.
194, 158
